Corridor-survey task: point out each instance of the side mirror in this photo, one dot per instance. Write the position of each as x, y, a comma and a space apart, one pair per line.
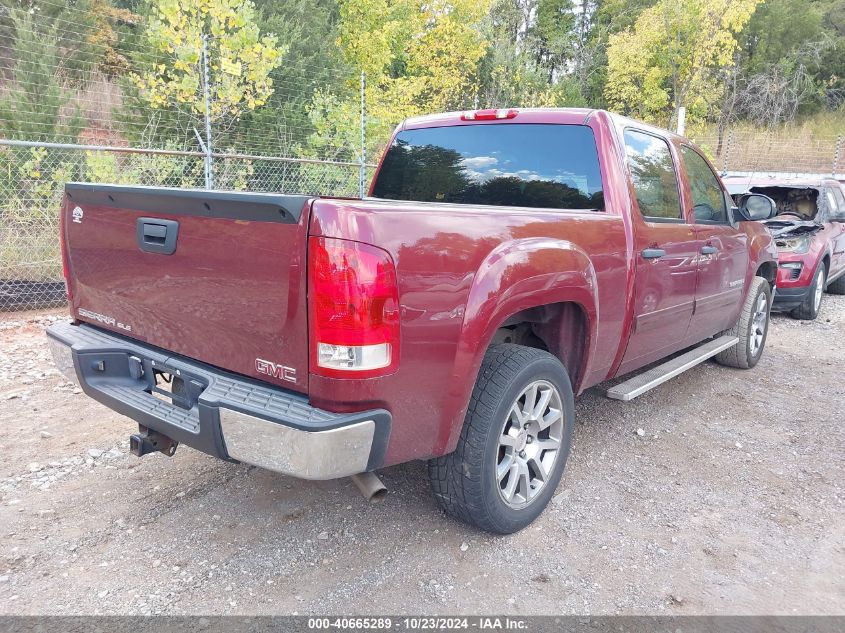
756, 206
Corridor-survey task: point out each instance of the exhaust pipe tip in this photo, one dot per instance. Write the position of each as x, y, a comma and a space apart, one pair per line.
371, 487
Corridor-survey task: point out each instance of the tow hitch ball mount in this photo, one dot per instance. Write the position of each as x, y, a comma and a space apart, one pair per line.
149, 441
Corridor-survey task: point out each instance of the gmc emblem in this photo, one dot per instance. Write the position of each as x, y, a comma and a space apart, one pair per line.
276, 371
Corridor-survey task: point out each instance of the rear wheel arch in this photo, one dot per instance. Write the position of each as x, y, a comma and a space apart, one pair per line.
508, 287
574, 351
562, 329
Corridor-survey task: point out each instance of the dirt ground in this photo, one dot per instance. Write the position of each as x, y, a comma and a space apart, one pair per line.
718, 493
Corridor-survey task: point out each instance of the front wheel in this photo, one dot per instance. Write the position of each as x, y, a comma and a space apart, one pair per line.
809, 309
752, 328
514, 442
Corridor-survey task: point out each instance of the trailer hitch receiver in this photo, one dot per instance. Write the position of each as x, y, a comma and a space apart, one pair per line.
149, 441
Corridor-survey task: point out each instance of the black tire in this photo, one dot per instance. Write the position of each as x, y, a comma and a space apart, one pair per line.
837, 287
809, 310
464, 482
744, 355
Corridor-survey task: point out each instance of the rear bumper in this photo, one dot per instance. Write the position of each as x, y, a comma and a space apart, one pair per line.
224, 415
786, 299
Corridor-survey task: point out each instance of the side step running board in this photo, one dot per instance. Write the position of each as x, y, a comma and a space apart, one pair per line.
655, 376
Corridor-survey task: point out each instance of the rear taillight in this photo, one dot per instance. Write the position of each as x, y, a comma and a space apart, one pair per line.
353, 306
63, 246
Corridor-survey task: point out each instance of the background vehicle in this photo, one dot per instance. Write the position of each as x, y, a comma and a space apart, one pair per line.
505, 261
809, 231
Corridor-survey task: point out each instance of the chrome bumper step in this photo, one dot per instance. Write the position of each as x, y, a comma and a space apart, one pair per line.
655, 376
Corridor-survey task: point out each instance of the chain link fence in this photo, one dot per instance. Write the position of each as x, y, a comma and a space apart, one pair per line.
33, 175
773, 152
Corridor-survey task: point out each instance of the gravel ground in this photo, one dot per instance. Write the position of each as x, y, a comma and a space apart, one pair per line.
719, 492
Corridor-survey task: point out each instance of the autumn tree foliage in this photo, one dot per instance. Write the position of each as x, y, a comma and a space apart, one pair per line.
418, 57
240, 58
669, 57
284, 74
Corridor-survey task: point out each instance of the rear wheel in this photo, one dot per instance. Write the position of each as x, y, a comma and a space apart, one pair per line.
752, 328
514, 442
809, 310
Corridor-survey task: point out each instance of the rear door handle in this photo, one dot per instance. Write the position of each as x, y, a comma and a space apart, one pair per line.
709, 250
157, 236
653, 253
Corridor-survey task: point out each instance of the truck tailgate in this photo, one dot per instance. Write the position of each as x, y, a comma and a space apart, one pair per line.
215, 276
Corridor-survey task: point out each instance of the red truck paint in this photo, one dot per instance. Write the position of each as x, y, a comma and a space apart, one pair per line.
236, 290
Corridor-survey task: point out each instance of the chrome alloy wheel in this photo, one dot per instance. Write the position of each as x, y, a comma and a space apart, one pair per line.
758, 324
817, 295
529, 444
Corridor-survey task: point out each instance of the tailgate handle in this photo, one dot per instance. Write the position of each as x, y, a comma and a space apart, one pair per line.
157, 236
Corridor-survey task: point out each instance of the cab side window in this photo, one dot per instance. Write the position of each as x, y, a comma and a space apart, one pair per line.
653, 174
708, 199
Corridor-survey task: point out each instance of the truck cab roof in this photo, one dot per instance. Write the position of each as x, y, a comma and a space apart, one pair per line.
570, 116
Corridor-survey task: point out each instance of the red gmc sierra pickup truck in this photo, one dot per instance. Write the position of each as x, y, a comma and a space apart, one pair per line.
503, 261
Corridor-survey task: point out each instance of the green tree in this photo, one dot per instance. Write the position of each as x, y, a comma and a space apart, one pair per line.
532, 44
553, 35
418, 57
106, 34
777, 30
71, 25
34, 106
670, 57
309, 28
598, 20
831, 73
240, 58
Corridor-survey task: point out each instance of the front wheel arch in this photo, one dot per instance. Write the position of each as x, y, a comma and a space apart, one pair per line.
768, 271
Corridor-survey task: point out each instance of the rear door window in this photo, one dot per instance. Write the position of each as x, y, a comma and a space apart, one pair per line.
519, 165
653, 174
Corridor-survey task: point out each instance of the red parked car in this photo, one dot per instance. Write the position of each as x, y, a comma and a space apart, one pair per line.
809, 232
504, 261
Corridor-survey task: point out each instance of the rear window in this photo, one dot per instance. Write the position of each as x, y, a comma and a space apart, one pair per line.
520, 165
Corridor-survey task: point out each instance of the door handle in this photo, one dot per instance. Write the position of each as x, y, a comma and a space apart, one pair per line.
709, 250
653, 253
157, 236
